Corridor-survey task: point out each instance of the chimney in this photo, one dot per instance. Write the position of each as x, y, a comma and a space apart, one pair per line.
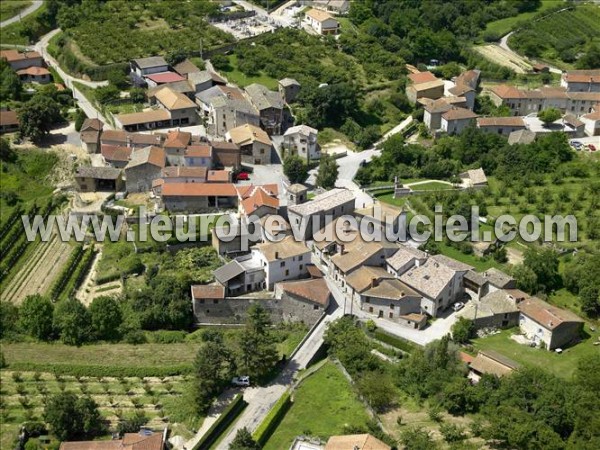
276, 255
342, 248
374, 282
128, 141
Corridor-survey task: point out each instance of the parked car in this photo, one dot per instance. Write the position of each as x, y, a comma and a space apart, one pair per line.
592, 147
458, 306
243, 176
576, 144
241, 381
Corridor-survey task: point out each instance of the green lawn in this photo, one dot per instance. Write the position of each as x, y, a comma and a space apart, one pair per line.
11, 8
431, 186
562, 365
389, 199
322, 405
478, 263
234, 75
17, 33
504, 26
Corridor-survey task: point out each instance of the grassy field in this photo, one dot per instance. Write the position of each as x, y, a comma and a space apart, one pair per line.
15, 32
11, 8
562, 365
163, 401
504, 26
323, 404
431, 186
234, 75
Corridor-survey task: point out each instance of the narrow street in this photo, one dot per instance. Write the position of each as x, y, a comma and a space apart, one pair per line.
30, 9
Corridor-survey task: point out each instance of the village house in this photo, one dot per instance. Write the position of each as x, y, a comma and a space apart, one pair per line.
294, 301
466, 92
179, 174
175, 146
283, 260
143, 440
307, 218
500, 125
9, 122
204, 80
353, 255
258, 201
225, 108
254, 143
186, 67
355, 442
497, 309
388, 219
424, 85
160, 79
142, 67
469, 78
240, 276
296, 194
22, 60
226, 155
404, 259
390, 299
521, 137
523, 102
331, 6
479, 284
198, 155
455, 120
489, 362
32, 74
581, 80
433, 110
321, 22
117, 156
143, 168
547, 325
592, 123
183, 87
89, 134
473, 178
301, 140
439, 280
93, 179
362, 279
269, 105
219, 176
289, 89
198, 197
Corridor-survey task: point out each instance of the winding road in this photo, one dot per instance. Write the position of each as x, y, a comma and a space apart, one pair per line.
31, 8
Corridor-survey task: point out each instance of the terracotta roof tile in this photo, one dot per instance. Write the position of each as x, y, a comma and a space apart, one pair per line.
204, 291
199, 190
314, 290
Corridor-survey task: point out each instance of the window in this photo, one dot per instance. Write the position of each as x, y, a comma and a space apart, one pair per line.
215, 301
391, 306
391, 315
201, 301
370, 309
367, 300
262, 151
315, 306
282, 264
287, 272
301, 266
300, 257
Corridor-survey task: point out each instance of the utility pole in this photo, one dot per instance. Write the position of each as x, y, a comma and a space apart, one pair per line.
201, 49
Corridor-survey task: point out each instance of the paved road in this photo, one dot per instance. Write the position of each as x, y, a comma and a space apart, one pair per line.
90, 110
261, 399
31, 8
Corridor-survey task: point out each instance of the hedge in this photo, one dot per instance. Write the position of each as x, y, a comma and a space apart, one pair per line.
78, 370
273, 419
222, 423
394, 341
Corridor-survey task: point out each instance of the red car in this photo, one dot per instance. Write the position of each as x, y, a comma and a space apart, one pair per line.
243, 176
592, 147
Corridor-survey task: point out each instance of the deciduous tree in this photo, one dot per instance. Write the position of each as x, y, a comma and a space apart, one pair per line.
36, 315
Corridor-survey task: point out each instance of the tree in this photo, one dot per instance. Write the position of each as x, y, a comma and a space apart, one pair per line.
213, 370
72, 322
544, 263
10, 84
463, 330
243, 441
257, 354
549, 115
106, 94
295, 169
500, 254
526, 279
9, 318
35, 318
106, 317
417, 439
71, 417
118, 79
375, 387
328, 172
137, 95
132, 424
79, 119
37, 116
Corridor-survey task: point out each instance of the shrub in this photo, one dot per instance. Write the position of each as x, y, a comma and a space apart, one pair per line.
273, 419
452, 432
104, 371
394, 341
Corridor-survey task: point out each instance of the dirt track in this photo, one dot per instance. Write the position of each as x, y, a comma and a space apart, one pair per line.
503, 57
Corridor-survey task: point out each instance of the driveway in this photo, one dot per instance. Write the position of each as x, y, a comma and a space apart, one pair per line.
31, 8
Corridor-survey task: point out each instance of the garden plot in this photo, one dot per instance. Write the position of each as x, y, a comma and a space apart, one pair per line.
503, 57
40, 271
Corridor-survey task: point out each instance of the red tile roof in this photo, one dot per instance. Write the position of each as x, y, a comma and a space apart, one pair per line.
459, 114
257, 198
204, 291
582, 76
218, 176
198, 151
314, 290
184, 172
177, 139
9, 118
14, 55
547, 315
199, 190
422, 77
165, 77
500, 122
115, 153
34, 71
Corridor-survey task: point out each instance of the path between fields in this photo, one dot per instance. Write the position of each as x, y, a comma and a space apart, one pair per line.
30, 9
